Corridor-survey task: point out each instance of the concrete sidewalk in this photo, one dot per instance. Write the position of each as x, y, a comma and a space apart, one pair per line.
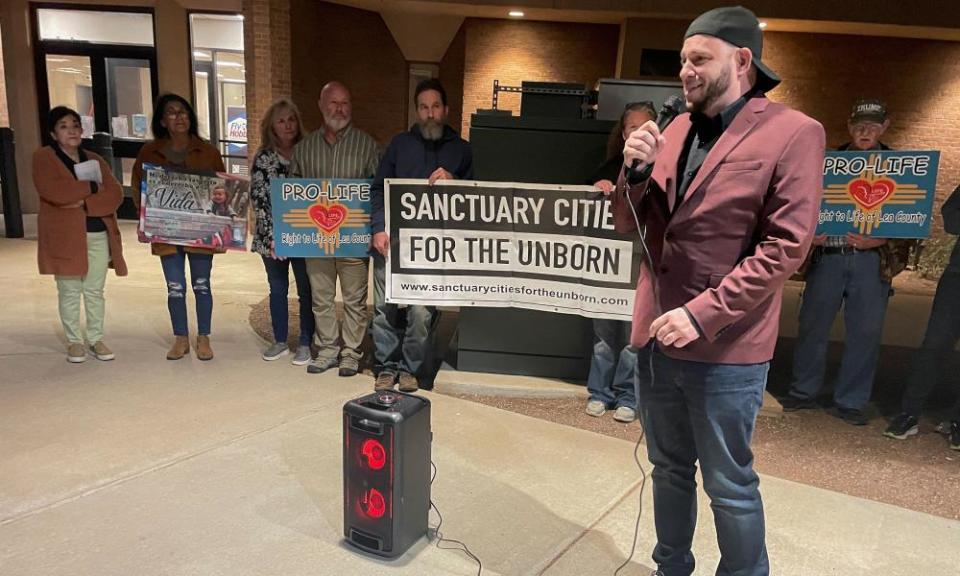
233, 467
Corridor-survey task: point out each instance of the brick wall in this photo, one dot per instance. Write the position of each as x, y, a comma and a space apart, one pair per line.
513, 51
333, 42
451, 75
919, 80
266, 37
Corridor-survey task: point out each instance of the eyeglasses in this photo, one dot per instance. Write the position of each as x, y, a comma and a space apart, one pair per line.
175, 113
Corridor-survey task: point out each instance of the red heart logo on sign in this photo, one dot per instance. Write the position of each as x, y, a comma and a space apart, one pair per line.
328, 218
870, 194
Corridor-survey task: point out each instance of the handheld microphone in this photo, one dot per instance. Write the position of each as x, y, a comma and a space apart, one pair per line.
671, 108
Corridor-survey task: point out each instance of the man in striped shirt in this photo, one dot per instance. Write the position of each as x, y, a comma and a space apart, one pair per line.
337, 150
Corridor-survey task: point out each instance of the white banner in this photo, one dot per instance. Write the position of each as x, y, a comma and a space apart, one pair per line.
539, 247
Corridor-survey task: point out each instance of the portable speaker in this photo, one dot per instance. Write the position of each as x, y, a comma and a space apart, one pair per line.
386, 471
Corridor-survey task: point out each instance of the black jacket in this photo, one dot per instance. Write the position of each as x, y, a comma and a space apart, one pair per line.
411, 156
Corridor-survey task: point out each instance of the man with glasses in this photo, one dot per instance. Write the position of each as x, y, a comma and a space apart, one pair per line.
855, 272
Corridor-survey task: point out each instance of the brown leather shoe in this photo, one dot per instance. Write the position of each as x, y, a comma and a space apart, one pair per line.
385, 381
408, 382
204, 351
181, 345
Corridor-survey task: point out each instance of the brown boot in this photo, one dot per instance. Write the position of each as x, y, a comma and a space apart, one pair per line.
408, 382
181, 345
385, 381
204, 351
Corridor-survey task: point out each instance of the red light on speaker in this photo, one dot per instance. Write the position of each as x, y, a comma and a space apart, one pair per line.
374, 452
374, 504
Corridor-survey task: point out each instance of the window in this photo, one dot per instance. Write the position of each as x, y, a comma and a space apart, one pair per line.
129, 28
219, 82
69, 83
103, 64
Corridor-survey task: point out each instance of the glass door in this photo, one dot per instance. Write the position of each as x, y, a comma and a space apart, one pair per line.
219, 85
103, 64
231, 88
129, 108
70, 83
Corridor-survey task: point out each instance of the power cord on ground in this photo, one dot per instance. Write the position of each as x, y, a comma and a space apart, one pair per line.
440, 539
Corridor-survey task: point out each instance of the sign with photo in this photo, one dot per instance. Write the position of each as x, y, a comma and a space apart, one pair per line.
200, 209
317, 218
887, 194
539, 247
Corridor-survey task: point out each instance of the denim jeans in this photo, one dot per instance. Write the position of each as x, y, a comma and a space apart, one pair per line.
174, 272
278, 277
695, 411
943, 331
612, 365
852, 281
402, 337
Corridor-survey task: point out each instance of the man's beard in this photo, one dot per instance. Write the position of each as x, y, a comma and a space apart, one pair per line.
336, 123
431, 129
712, 92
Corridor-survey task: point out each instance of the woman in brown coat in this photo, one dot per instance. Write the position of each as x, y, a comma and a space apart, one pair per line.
177, 144
77, 228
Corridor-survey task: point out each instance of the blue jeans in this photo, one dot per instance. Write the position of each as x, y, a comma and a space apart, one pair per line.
694, 411
943, 331
612, 365
852, 281
174, 272
402, 337
278, 277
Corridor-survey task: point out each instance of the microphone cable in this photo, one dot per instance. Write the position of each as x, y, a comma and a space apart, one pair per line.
458, 544
641, 231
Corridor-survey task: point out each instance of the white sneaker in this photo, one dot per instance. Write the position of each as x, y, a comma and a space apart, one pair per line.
275, 351
625, 414
596, 408
302, 357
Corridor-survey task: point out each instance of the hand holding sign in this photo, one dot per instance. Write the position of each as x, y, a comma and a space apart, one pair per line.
381, 243
864, 243
439, 174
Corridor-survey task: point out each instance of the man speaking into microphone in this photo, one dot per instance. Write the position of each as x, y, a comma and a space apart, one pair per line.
729, 210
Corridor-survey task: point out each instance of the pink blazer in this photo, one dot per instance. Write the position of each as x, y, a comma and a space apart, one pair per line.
743, 227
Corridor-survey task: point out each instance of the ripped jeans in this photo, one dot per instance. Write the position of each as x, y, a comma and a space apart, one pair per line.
175, 273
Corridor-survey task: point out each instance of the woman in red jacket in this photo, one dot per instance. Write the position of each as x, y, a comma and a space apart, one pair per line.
77, 228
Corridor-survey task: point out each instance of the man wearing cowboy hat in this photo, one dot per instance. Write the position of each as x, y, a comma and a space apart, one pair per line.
729, 210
